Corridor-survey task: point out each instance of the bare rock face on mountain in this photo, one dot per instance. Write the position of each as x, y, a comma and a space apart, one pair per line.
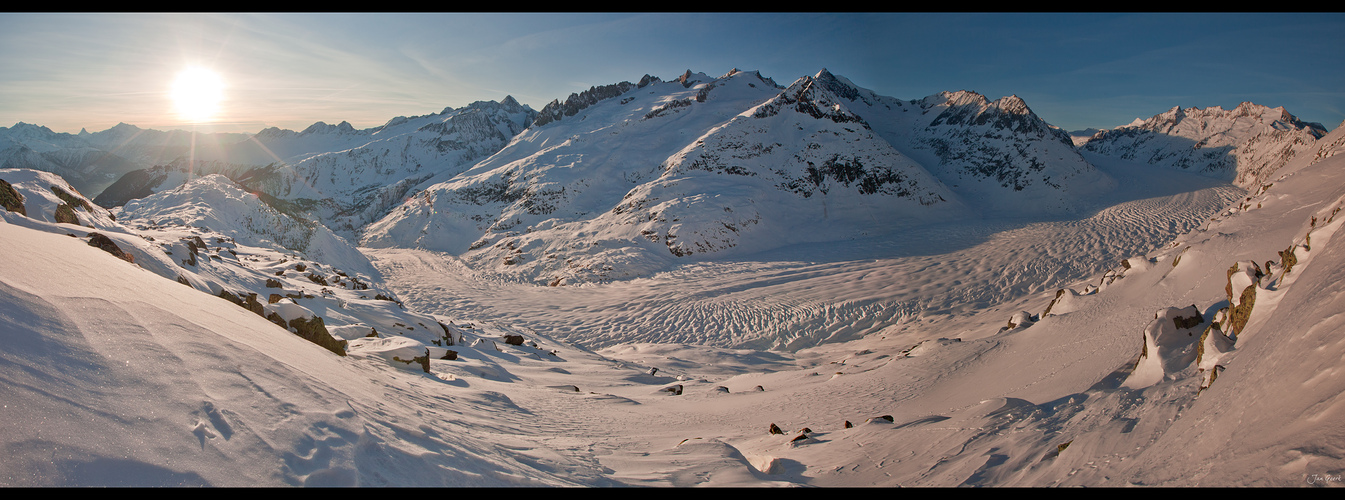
11, 199
996, 154
1245, 145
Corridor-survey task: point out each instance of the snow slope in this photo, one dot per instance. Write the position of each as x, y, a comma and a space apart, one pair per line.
627, 180
1174, 331
1245, 145
132, 379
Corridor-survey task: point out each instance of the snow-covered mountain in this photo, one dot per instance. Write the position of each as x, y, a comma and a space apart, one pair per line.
626, 179
216, 203
348, 187
999, 154
1211, 360
1245, 145
93, 161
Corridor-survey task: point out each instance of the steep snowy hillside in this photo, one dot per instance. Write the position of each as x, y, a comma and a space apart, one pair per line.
48, 197
997, 154
560, 174
113, 376
1210, 361
347, 188
214, 202
1245, 145
629, 179
1174, 367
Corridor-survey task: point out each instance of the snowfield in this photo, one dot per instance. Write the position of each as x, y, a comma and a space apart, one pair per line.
1158, 328
127, 380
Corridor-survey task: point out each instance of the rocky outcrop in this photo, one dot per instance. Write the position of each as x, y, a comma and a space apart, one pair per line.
1243, 280
65, 214
557, 110
1167, 348
1211, 348
102, 242
11, 199
1021, 318
313, 330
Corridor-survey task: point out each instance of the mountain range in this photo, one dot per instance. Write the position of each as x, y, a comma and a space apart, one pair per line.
764, 285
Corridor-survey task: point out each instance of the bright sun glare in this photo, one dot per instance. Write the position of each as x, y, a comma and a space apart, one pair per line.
197, 93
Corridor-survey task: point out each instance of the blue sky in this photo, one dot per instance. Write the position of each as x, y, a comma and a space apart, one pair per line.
72, 71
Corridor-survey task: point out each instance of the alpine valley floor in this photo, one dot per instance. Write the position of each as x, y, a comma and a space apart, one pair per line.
924, 358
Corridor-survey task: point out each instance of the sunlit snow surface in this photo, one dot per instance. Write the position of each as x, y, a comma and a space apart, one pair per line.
807, 294
111, 374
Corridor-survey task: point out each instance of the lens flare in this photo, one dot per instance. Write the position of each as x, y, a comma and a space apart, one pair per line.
197, 93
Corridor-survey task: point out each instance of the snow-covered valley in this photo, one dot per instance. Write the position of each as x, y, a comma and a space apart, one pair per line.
1043, 316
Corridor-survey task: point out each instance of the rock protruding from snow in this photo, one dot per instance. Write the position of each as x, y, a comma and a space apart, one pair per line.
1167, 349
11, 199
48, 197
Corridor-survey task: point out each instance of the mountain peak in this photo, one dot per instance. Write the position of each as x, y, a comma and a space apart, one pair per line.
1013, 104
963, 98
323, 128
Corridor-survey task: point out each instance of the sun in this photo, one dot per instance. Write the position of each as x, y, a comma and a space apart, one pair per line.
197, 93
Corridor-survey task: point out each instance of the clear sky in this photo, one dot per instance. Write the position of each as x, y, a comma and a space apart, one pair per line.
73, 71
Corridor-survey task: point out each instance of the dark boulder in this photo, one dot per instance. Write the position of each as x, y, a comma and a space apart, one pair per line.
313, 330
102, 242
1191, 319
251, 304
275, 318
513, 339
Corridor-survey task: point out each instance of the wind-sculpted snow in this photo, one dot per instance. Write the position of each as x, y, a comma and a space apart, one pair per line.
1171, 330
935, 387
